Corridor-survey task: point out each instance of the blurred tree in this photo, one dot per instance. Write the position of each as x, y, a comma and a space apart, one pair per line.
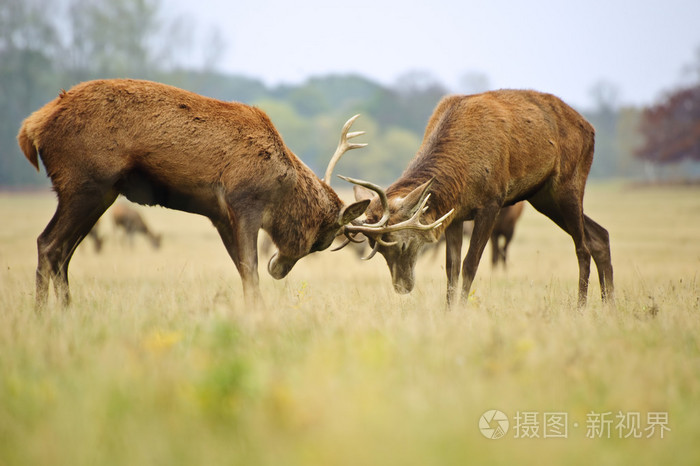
628, 141
47, 45
671, 128
409, 103
214, 49
606, 96
604, 118
293, 127
344, 91
388, 156
308, 100
119, 38
218, 85
693, 69
28, 42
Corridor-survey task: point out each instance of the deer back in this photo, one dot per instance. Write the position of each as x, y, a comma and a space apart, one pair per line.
158, 142
501, 145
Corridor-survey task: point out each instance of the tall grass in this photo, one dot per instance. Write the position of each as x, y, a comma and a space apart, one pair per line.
158, 361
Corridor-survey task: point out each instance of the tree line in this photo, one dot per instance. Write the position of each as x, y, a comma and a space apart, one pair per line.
41, 53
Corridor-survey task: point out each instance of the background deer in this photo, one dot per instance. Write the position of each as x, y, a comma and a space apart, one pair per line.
160, 145
97, 239
130, 220
504, 227
481, 153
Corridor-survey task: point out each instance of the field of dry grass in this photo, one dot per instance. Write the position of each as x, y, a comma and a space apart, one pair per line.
158, 362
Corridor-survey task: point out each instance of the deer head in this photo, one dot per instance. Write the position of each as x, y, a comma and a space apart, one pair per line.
281, 262
393, 228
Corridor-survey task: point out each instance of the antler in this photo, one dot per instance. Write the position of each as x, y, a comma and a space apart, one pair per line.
412, 223
349, 238
343, 147
382, 198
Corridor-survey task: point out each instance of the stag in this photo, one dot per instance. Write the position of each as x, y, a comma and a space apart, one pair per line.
480, 153
130, 220
160, 145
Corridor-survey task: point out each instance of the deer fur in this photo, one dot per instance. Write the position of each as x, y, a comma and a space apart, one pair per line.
160, 145
479, 154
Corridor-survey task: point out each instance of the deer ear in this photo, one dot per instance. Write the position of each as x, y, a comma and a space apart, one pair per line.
414, 199
362, 193
351, 212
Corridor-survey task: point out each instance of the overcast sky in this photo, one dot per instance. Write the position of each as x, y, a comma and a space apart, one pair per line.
558, 46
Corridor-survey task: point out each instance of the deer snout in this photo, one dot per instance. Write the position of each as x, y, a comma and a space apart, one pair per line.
403, 288
402, 280
279, 267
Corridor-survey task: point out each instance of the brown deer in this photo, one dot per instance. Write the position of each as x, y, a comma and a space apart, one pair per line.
130, 220
504, 227
160, 145
98, 240
480, 153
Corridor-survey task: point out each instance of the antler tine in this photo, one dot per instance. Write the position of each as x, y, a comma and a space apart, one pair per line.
371, 254
412, 223
382, 198
343, 147
352, 238
379, 240
346, 241
349, 238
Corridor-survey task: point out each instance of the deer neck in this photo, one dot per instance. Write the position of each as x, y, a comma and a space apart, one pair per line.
294, 220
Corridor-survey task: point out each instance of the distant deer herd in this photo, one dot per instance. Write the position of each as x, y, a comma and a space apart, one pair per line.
155, 144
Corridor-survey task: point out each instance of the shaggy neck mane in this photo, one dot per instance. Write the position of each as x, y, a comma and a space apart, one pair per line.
434, 159
310, 204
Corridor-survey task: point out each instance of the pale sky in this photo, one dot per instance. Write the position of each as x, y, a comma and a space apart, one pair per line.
557, 46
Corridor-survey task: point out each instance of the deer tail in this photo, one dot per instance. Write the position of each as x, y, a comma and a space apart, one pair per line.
26, 143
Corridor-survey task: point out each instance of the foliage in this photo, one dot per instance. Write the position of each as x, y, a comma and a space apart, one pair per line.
672, 128
26, 52
88, 39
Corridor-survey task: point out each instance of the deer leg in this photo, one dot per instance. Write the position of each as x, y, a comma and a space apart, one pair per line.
453, 255
504, 251
483, 226
495, 250
568, 215
74, 218
599, 243
240, 236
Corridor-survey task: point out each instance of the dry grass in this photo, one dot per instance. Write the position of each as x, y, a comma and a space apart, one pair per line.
158, 362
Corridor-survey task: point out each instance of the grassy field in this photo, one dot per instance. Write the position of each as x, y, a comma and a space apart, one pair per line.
158, 362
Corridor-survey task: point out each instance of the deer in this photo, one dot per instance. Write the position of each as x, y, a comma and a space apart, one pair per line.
97, 239
161, 145
504, 227
479, 154
130, 220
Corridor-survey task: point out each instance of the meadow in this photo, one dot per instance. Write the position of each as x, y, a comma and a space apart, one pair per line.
157, 361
